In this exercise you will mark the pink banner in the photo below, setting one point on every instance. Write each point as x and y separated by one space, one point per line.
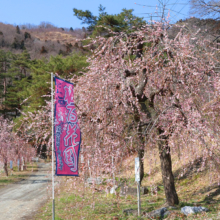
67 136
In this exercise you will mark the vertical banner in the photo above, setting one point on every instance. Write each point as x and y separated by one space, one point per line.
67 135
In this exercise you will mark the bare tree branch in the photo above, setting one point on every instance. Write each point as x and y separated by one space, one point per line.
206 8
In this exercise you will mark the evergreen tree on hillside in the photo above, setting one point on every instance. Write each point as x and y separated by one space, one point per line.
73 64
36 90
18 45
86 17
5 79
27 35
18 30
124 21
21 63
18 72
43 50
22 47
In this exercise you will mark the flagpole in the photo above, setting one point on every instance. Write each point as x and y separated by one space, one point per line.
53 206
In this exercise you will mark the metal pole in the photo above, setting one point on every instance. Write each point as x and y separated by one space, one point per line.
137 179
113 174
139 198
90 174
208 89
53 206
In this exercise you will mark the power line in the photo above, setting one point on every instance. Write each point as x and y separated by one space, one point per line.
161 8
178 12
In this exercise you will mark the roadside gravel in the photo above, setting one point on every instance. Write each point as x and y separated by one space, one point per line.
22 199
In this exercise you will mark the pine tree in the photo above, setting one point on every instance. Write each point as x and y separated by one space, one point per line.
19 66
18 30
124 21
34 87
43 50
5 79
22 47
15 44
27 35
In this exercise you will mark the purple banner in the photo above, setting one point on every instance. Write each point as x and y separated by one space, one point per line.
67 135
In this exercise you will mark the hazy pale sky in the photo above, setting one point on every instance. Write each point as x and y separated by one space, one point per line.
60 12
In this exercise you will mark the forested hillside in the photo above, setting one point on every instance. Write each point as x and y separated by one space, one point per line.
28 51
40 41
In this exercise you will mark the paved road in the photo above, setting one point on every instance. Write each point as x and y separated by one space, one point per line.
22 199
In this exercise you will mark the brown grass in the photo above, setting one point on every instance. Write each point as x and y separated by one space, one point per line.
55 36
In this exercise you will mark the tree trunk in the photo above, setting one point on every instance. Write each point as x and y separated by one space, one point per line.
141 152
19 165
25 167
6 168
141 155
166 169
4 90
4 97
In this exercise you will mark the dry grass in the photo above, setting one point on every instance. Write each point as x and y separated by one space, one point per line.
55 36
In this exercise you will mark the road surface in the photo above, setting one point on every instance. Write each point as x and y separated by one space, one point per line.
21 200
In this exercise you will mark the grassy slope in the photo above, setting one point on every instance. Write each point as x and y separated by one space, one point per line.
55 36
74 201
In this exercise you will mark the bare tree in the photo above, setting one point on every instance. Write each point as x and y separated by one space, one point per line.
206 8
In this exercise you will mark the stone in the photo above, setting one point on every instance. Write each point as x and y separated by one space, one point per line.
92 180
186 210
133 191
35 159
156 189
109 181
113 189
158 213
171 207
144 190
166 213
130 211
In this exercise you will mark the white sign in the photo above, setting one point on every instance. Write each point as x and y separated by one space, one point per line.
137 169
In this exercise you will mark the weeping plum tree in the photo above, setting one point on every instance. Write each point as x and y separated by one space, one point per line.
36 126
12 146
145 86
6 149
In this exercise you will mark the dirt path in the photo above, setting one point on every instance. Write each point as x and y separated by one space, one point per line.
20 200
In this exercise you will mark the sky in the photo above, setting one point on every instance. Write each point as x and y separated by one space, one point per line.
60 12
